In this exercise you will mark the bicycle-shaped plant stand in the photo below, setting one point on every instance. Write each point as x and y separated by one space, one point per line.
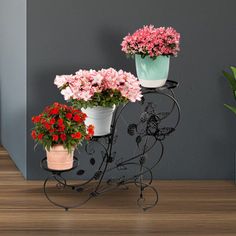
148 132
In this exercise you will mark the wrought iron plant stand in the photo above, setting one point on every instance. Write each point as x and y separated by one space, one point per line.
148 132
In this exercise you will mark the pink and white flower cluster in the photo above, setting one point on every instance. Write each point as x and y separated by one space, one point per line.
85 83
152 41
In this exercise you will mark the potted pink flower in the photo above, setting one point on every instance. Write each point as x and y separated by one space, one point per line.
60 128
152 48
98 92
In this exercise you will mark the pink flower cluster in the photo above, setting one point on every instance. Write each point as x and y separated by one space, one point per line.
85 83
152 41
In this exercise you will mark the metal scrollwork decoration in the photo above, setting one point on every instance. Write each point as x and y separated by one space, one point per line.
149 132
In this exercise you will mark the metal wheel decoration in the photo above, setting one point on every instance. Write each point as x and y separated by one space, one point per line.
149 132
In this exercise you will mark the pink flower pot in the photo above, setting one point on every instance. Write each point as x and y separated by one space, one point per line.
58 158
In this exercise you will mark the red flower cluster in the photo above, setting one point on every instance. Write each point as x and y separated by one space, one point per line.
61 124
90 131
77 135
34 134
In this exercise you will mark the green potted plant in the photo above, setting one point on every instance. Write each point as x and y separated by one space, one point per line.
231 77
60 129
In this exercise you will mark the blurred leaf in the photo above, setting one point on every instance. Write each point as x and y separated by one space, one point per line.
231 108
231 81
233 70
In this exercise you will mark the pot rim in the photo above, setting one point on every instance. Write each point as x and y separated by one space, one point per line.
60 147
99 108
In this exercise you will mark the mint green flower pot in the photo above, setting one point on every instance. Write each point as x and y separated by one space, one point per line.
152 73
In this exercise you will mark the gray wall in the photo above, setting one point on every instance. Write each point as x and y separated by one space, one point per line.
13 79
66 35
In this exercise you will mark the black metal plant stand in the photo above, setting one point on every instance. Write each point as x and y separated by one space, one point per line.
148 132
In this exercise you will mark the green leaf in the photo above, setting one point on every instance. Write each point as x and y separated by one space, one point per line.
232 81
231 108
101 99
233 70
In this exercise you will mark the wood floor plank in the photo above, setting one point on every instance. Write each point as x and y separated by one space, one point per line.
206 208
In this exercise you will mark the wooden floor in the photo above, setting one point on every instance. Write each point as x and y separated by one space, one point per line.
185 208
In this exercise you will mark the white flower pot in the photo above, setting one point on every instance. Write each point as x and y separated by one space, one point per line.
100 117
